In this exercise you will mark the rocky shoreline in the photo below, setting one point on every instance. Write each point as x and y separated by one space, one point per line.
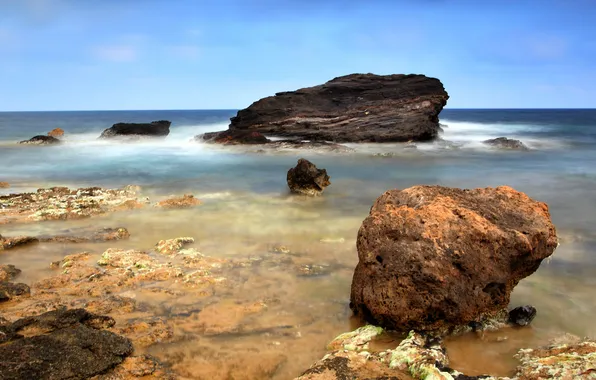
93 299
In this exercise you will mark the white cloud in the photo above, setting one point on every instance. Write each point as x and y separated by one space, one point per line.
116 53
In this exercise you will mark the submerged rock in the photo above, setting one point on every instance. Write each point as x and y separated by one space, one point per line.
185 201
56 132
306 179
433 257
234 137
154 129
505 143
61 344
41 140
103 234
522 316
351 108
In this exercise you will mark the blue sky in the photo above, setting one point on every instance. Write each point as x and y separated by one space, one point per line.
183 54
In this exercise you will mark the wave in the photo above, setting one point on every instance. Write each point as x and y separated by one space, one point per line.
472 135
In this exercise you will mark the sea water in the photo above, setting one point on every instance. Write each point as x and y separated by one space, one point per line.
247 208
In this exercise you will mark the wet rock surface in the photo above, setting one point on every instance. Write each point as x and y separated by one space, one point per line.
61 344
432 257
60 203
351 108
41 140
506 143
154 129
307 179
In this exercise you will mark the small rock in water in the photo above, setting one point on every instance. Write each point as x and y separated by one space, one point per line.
522 316
56 132
4 185
306 179
505 143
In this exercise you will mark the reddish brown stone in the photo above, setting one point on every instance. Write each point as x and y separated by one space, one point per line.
431 257
56 132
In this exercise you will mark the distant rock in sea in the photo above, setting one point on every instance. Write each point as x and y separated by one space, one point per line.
505 143
41 140
351 108
307 179
154 129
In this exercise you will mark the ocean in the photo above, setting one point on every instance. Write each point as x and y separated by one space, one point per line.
247 205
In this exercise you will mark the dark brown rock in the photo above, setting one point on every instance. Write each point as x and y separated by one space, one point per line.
41 140
505 143
9 290
154 129
306 179
522 316
431 257
352 108
61 344
234 137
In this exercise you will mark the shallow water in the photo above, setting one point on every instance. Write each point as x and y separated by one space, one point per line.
247 211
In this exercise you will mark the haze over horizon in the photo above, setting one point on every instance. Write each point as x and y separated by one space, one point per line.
132 55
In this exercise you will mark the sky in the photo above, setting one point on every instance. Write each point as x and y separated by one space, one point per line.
225 54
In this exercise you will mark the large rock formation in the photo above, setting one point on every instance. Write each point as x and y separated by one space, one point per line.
432 257
352 108
154 129
306 179
234 137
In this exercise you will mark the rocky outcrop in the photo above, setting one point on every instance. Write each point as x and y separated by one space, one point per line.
56 132
306 179
432 257
351 108
92 236
505 143
41 140
61 344
61 203
234 137
154 129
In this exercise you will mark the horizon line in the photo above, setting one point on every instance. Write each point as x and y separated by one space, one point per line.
237 109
